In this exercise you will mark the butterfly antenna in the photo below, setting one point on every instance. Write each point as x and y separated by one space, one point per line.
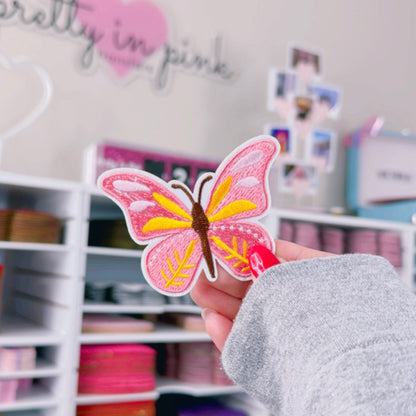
185 190
205 180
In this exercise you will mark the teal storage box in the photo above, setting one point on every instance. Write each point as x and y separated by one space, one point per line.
404 211
381 175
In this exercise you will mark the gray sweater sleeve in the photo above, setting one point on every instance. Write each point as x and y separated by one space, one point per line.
328 336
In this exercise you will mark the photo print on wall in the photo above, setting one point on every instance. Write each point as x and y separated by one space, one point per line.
303 103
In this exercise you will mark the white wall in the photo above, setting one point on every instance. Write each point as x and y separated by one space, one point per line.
368 47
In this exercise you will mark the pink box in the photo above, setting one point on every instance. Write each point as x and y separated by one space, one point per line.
8 390
9 358
24 385
116 369
1 288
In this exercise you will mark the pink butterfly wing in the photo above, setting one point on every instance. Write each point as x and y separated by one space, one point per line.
231 242
172 266
241 192
134 192
246 169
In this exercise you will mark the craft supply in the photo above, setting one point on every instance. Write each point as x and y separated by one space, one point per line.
1 292
286 231
20 358
127 293
145 408
390 247
116 369
333 240
171 360
136 294
187 232
97 291
34 227
307 235
362 241
187 321
8 390
108 323
195 362
5 218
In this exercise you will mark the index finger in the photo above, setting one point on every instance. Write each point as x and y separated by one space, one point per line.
225 294
287 251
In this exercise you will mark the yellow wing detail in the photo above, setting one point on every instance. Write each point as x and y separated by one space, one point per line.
162 223
241 257
219 195
171 206
233 208
181 265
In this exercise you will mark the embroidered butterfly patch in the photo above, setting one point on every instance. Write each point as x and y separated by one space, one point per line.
188 232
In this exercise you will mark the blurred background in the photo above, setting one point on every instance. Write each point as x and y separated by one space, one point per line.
166 102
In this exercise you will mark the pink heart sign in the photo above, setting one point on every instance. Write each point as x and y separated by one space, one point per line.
125 34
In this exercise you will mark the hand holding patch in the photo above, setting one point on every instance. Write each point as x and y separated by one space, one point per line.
186 232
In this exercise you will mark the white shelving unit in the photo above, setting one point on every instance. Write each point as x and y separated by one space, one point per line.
406 232
44 284
39 294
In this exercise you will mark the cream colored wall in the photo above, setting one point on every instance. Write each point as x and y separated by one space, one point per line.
368 49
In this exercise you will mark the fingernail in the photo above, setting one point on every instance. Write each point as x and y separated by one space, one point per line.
205 312
260 259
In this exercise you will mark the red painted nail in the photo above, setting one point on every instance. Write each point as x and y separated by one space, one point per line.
260 259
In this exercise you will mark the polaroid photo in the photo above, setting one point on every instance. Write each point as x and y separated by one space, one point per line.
303 108
281 87
321 149
327 102
285 136
306 62
299 178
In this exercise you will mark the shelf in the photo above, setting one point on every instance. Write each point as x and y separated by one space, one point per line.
17 332
344 221
107 307
116 398
117 252
15 180
37 398
182 309
43 369
164 386
173 386
162 333
16 245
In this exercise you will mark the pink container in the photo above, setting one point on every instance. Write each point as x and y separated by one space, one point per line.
8 390
117 369
9 359
1 284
